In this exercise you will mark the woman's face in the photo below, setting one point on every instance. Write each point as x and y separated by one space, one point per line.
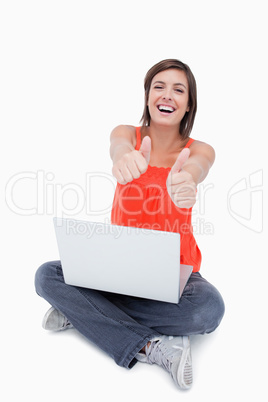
168 97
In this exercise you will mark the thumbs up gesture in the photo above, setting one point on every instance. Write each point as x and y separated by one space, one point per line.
180 184
132 164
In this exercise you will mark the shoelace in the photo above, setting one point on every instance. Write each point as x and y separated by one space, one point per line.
66 324
158 353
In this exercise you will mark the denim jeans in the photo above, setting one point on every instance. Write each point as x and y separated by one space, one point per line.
122 325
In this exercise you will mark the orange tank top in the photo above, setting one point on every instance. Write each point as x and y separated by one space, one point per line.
145 203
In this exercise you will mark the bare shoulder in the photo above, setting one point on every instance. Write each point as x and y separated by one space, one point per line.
203 149
126 132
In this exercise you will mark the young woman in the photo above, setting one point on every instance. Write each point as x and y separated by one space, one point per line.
158 168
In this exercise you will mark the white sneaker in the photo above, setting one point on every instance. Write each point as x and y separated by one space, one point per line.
54 320
174 355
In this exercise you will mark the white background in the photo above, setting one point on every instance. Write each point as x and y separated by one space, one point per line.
70 72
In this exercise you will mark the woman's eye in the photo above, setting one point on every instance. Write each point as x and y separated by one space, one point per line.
179 90
158 87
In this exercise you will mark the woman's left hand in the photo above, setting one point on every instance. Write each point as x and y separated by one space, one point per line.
180 184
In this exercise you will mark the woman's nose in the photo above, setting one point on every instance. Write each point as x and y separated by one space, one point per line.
167 95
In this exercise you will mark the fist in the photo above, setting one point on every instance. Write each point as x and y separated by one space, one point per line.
180 184
132 164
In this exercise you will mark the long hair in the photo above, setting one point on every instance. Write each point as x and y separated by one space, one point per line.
187 122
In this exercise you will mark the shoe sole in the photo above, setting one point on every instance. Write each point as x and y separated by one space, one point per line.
184 373
44 322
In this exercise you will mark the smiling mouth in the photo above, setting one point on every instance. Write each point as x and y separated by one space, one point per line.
165 109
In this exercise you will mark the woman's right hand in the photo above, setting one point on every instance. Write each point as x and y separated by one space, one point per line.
134 163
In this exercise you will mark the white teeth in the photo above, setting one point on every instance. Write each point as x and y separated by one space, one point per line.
166 108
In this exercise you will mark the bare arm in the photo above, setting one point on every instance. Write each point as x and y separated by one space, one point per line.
190 169
201 159
128 163
122 141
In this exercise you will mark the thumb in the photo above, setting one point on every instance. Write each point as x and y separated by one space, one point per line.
145 148
182 158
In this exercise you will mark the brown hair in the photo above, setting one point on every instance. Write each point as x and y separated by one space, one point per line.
187 122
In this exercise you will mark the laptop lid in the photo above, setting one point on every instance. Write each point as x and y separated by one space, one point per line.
120 259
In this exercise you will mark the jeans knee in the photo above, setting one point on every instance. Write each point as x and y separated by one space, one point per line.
215 309
44 277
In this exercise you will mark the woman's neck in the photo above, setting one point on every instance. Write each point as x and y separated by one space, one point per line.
165 139
166 145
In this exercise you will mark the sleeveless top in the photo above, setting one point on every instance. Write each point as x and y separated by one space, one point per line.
145 203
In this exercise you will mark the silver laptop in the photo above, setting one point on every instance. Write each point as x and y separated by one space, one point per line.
120 259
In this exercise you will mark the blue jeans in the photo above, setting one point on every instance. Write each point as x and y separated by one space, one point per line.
122 325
